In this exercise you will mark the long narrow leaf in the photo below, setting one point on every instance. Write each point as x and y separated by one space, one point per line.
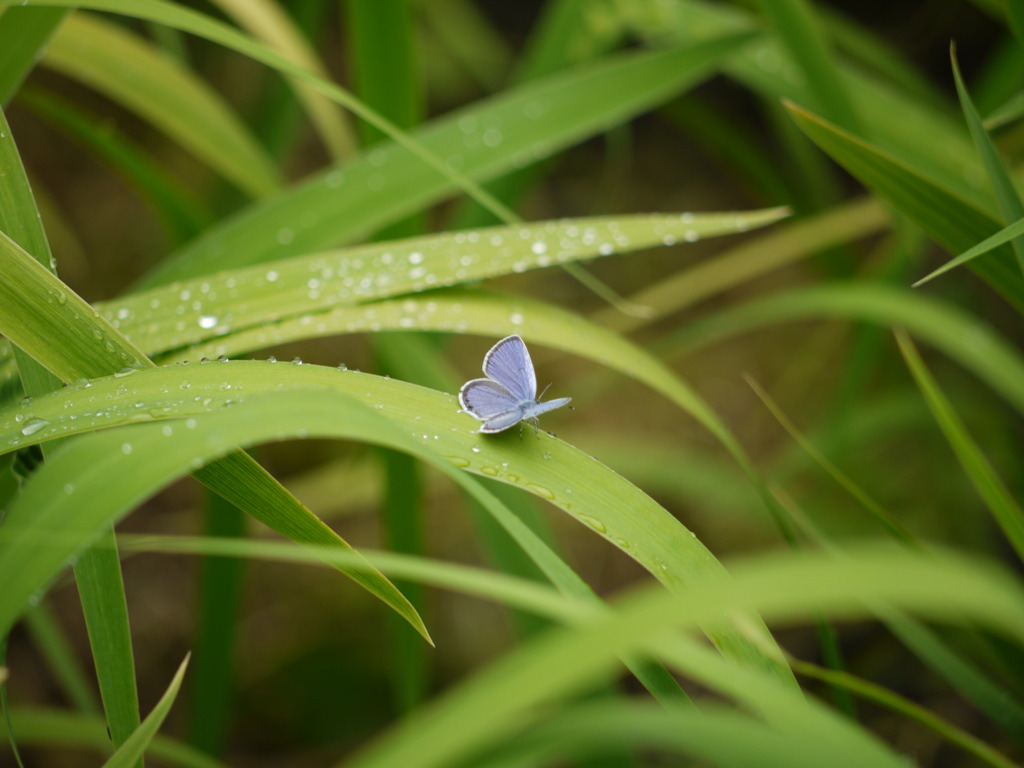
952 222
998 174
1005 510
132 750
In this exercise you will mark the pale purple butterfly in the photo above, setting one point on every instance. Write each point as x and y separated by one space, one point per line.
509 393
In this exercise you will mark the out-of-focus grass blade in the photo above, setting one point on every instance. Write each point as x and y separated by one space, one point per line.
797 240
953 223
466 34
129 70
296 400
894 527
53 727
998 175
221 590
891 119
989 694
891 700
798 585
803 38
267 21
1010 111
714 734
24 33
183 215
959 335
694 62
1010 234
484 140
133 749
1005 510
49 638
1015 11
382 60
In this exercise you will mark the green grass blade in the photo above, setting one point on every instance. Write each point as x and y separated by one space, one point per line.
24 33
52 727
429 161
713 735
380 37
887 521
798 239
233 302
131 71
889 116
132 750
184 216
389 182
998 174
1005 510
101 592
498 700
962 337
64 333
48 637
214 651
867 690
98 574
803 38
987 694
1003 236
953 223
296 400
267 20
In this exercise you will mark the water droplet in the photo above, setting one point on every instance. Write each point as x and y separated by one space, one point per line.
167 430
32 426
271 359
691 236
272 276
593 522
541 490
68 489
126 448
207 321
492 137
489 471
458 461
296 361
539 248
475 449
125 372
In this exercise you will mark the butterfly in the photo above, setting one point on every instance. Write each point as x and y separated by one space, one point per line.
509 393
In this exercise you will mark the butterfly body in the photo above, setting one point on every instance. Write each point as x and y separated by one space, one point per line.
508 395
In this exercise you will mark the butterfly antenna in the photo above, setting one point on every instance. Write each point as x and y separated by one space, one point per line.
545 390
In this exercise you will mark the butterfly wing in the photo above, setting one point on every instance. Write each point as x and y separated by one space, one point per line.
484 399
508 363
